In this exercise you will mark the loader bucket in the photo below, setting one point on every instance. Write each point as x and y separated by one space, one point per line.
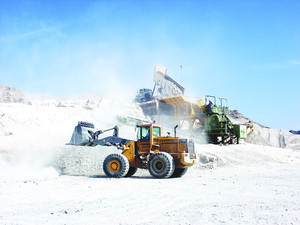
83 134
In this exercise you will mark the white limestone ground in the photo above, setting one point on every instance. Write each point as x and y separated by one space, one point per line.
44 181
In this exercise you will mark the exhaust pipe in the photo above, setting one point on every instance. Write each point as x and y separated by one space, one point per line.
175 130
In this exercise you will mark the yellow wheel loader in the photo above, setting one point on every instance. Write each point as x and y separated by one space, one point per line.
163 156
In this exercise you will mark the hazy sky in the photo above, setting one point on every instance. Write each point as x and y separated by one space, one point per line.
246 51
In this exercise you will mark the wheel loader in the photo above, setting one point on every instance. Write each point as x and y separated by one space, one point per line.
164 157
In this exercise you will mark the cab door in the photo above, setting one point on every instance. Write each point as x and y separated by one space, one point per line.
144 135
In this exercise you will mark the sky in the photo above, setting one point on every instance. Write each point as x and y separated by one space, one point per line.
246 51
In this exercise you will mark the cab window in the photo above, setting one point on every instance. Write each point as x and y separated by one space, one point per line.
143 134
156 131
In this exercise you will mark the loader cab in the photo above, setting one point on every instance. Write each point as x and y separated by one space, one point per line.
146 132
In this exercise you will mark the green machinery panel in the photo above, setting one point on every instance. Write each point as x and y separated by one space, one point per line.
240 131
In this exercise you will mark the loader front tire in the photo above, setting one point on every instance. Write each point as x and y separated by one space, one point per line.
131 171
161 165
116 165
179 172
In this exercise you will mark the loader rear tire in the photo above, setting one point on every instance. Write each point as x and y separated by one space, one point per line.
161 165
116 165
131 171
179 172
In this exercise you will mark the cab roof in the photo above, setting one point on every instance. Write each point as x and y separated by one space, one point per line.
148 125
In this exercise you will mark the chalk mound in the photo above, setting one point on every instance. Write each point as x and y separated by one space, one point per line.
266 136
9 94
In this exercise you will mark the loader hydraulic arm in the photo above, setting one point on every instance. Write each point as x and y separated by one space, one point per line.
98 132
112 141
85 135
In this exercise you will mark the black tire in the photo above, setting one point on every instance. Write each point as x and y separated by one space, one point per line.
161 165
233 140
179 172
116 165
131 171
213 139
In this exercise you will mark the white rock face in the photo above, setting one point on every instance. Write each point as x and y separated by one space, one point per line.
9 94
266 136
274 137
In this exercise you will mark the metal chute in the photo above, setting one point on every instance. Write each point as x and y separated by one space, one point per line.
168 87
